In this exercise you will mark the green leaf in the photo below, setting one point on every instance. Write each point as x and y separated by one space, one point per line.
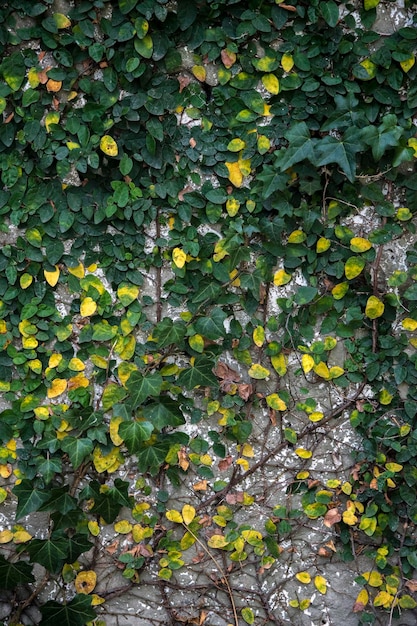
165 412
142 387
342 152
134 434
301 147
248 615
151 458
48 468
169 332
200 374
29 498
77 449
75 613
51 553
14 574
305 295
13 70
330 12
212 326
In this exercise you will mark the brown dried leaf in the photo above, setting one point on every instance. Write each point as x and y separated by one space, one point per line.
228 58
111 549
332 517
200 486
330 544
273 417
245 391
411 585
222 370
184 81
234 498
224 464
288 7
192 142
145 550
183 459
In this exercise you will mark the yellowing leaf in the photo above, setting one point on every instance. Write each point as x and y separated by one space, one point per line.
51 118
279 363
287 62
374 308
235 175
114 430
72 145
54 360
235 145
174 516
123 527
412 142
58 386
335 372
302 475
275 402
383 598
25 280
78 381
96 600
127 293
29 343
53 85
354 266
323 244
322 370
76 365
271 83
33 77
6 536
94 528
403 214
281 278
109 462
407 602
297 236
361 601
316 416
61 20
303 453
35 365
264 145
369 67
349 516
78 271
307 363
199 71
248 451
85 581
179 257
370 4
258 372
303 577
407 64
188 513
385 397
232 206
394 467
259 336
340 290
41 413
359 244
320 584
52 277
109 146
217 541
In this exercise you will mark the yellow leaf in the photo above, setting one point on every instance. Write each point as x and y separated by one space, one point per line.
236 145
109 462
383 598
174 516
294 603
347 488
394 467
58 386
335 372
6 536
303 475
94 528
85 581
303 577
35 365
407 602
253 537
340 290
275 402
307 363
279 363
123 527
303 453
217 541
323 244
61 20
72 145
369 67
359 244
124 371
25 280
248 451
374 308
385 397
320 584
199 71
235 175
354 266
322 370
316 416
140 533
297 236
403 214
188 513
52 277
287 62
29 343
407 64
21 536
96 600
78 381
271 83
179 257
54 360
281 278
258 372
412 142
245 166
33 77
109 146
259 336
264 145
76 365
349 516
114 430
41 413
232 206
78 271
51 118
127 293
361 601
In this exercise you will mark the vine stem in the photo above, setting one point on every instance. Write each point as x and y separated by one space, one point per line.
221 570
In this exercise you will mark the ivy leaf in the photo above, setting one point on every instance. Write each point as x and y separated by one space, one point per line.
199 374
342 152
300 147
75 613
212 326
165 412
169 332
142 387
151 457
13 574
135 434
76 545
29 498
330 12
51 553
77 449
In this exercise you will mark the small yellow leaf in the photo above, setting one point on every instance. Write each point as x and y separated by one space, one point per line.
361 601
264 145
6 536
316 416
294 604
174 516
76 365
232 206
403 214
25 280
114 430
407 64
248 451
127 293
303 453
78 271
236 145
52 277
374 308
35 365
217 541
51 118
259 336
196 343
258 372
72 145
287 62
385 397
412 142
323 244
109 462
349 516
94 528
335 372
54 86
369 67
85 581
188 513
33 77
322 370
354 266
320 584
359 244
58 386
302 475
275 402
235 175
297 236
303 577
394 467
279 363
281 278
123 527
109 146
271 83
347 488
54 360
340 290
307 363
61 20
199 71
21 536
374 579
179 257
96 600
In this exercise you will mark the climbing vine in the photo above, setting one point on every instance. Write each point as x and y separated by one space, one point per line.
208 266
